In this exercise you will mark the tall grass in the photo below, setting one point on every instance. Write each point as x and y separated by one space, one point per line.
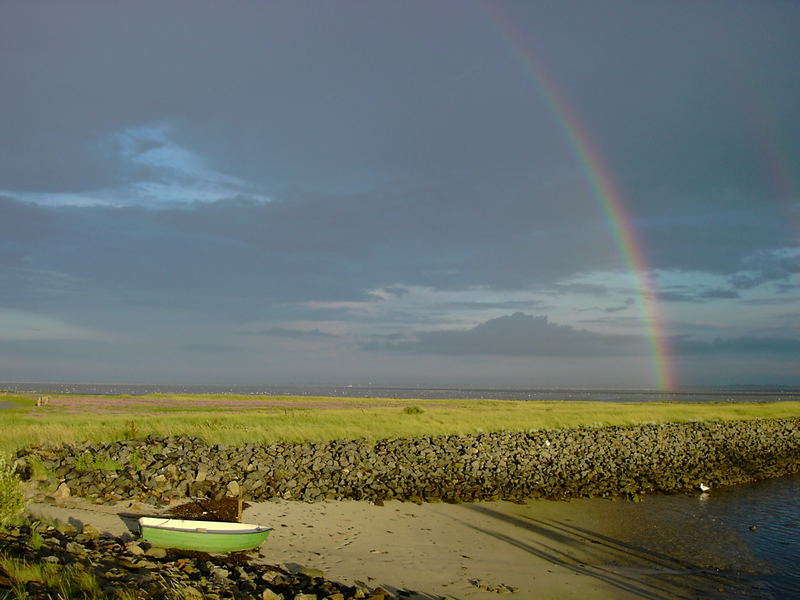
71 582
12 500
353 419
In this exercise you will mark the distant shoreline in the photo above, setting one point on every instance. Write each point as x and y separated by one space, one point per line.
767 393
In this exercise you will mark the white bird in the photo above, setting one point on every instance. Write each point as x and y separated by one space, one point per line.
704 488
547 443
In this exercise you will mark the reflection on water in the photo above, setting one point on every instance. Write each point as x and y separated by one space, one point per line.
739 542
766 517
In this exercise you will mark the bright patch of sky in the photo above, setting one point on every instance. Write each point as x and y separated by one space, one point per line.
155 172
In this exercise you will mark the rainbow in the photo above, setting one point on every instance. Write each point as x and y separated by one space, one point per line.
604 189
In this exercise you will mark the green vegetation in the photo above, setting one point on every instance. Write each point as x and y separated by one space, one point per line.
228 419
72 582
38 471
12 501
36 540
135 460
90 462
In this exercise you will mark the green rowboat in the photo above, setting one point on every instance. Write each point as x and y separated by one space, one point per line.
203 536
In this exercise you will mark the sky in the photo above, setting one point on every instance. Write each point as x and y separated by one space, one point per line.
498 193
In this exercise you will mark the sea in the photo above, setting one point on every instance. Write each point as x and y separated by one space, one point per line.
705 394
746 539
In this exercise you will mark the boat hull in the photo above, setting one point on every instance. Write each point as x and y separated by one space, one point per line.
202 536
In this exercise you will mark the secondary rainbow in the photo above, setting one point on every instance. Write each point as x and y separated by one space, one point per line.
603 187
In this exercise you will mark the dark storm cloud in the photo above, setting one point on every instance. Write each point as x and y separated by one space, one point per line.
380 100
261 158
516 335
525 335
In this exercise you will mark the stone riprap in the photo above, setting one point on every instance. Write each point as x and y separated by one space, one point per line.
120 565
566 463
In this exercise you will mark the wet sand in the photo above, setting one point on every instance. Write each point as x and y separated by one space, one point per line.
543 549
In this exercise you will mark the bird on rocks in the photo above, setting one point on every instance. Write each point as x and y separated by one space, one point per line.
704 488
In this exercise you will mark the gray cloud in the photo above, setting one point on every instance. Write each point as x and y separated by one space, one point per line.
746 345
697 296
410 153
525 335
297 334
507 305
210 348
614 309
517 335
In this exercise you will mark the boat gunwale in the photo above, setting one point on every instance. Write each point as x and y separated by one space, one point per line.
182 526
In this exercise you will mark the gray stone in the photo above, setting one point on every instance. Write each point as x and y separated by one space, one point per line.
134 548
233 489
75 548
156 552
220 575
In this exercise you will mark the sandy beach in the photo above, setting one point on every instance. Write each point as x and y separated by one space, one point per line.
541 549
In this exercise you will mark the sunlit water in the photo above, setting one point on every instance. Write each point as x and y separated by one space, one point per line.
744 539
738 542
765 518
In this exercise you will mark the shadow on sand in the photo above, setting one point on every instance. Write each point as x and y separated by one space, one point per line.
639 571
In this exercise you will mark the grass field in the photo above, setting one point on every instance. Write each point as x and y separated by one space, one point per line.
233 420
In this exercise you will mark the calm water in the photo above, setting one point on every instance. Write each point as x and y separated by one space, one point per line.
726 394
743 540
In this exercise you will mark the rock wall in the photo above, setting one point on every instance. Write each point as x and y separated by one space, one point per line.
608 461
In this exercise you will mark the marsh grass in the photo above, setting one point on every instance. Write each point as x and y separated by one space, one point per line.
20 571
65 583
12 500
36 540
316 419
